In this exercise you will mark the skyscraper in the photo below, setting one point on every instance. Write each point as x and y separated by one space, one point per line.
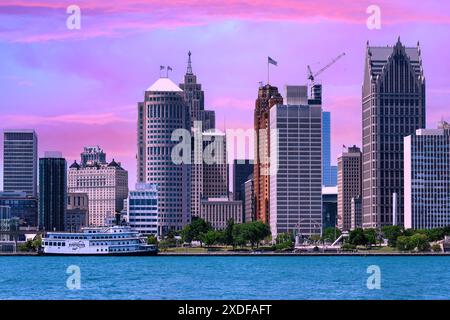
393 106
242 169
349 184
329 172
201 121
268 96
427 178
20 152
52 192
163 111
215 166
296 184
106 185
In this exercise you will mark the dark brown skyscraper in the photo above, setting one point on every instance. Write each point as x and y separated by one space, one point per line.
268 96
393 106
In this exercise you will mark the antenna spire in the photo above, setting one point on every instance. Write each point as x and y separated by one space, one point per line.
189 67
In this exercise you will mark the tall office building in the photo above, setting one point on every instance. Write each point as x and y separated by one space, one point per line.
268 96
393 106
52 191
142 209
215 165
349 184
201 121
20 152
106 185
329 172
427 178
296 185
161 113
242 169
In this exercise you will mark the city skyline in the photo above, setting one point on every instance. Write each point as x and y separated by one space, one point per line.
97 106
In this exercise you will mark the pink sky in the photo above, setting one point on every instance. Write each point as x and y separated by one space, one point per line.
80 87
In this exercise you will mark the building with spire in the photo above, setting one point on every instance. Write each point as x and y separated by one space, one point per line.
393 106
163 111
268 96
207 179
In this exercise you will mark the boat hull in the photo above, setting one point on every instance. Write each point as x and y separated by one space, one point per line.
125 254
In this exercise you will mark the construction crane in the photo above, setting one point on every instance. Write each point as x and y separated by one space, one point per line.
312 76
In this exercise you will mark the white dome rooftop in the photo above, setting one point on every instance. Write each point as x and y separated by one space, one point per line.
164 85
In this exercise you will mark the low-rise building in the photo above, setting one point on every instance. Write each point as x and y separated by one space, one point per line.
77 213
142 209
218 211
22 206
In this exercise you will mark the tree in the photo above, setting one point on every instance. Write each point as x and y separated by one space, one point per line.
238 235
36 243
331 234
262 231
284 241
404 243
284 237
420 242
212 237
436 247
151 239
228 233
391 233
371 236
357 237
195 230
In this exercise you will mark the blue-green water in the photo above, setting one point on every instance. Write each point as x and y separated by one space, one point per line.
225 277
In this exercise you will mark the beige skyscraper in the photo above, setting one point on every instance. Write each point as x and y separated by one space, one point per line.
106 185
349 184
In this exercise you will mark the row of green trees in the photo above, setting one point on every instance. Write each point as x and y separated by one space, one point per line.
234 234
397 237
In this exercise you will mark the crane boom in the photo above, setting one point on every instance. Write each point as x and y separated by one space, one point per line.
312 75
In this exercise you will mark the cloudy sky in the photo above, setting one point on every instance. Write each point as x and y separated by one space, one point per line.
81 87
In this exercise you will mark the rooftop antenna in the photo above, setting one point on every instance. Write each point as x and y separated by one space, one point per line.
189 67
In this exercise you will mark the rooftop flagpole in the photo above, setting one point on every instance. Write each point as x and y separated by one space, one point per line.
270 61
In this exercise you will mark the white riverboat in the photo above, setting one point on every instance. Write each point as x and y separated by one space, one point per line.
112 241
